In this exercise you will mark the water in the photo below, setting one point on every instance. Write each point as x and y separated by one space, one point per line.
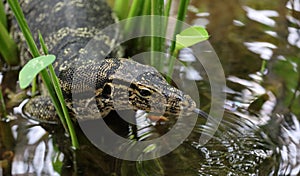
259 133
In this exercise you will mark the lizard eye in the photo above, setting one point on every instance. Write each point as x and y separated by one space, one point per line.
106 90
145 92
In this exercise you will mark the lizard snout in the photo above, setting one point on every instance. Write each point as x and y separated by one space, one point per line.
187 104
180 103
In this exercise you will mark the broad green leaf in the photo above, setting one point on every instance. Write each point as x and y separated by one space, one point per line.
32 68
191 36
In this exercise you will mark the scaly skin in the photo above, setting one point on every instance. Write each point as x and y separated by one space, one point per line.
93 86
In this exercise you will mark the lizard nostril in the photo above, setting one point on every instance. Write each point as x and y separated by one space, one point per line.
185 104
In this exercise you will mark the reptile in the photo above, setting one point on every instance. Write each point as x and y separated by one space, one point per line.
96 83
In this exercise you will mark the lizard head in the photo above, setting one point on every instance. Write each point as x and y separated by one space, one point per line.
141 87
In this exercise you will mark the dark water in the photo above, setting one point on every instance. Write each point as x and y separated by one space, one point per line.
259 132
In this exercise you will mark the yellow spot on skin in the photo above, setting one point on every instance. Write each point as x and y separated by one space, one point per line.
58 6
82 51
67 51
41 17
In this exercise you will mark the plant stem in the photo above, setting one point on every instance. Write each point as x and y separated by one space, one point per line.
146 7
171 66
33 87
8 48
2 105
15 7
121 8
180 18
168 7
263 67
46 79
167 14
135 8
3 19
134 11
144 23
64 107
143 42
156 32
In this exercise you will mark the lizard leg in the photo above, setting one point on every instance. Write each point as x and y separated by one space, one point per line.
41 108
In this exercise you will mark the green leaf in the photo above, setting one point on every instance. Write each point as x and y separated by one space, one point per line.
191 36
32 68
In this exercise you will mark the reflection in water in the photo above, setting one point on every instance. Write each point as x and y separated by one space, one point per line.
264 49
290 144
34 153
294 38
244 33
262 16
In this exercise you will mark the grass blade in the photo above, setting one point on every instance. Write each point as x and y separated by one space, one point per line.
8 48
157 43
2 105
168 7
135 10
180 17
121 8
15 7
3 19
173 54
